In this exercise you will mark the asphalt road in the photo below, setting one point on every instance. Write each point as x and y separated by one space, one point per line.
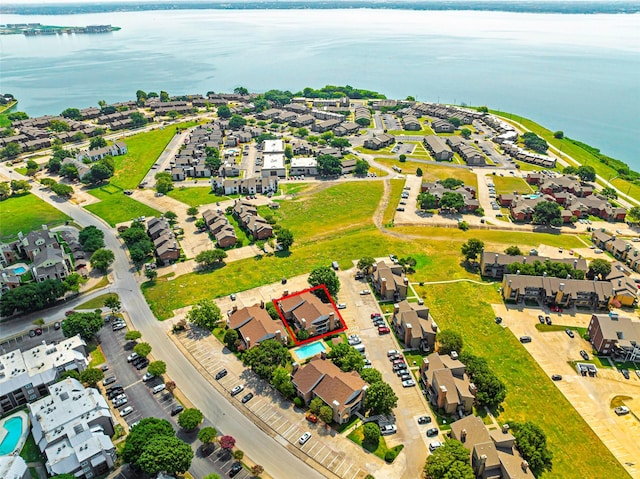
262 448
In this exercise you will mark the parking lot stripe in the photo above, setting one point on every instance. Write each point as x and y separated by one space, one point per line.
344 474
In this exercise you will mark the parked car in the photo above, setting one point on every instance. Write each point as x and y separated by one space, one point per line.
569 333
222 373
391 352
408 383
137 361
375 315
304 438
353 340
235 469
621 410
556 377
177 409
383 330
433 445
432 432
147 376
584 355
525 339
405 377
625 373
311 418
402 372
388 429
424 420
119 396
237 390
118 326
115 393
365 292
397 367
247 397
541 319
118 403
132 357
126 411
547 320
56 325
109 380
342 306
142 364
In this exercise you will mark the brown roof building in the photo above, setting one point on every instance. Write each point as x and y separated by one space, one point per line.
447 384
254 325
414 325
306 311
389 282
615 335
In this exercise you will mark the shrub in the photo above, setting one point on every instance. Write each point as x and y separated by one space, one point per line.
390 456
298 401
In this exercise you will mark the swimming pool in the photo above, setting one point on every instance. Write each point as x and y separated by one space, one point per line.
10 441
311 349
20 270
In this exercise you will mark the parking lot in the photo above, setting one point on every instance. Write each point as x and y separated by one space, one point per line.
24 341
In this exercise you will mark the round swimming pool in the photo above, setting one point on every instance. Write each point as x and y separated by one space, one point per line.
13 427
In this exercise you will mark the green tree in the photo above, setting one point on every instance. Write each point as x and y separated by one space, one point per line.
328 165
31 296
144 431
141 97
365 264
450 461
5 190
238 455
340 143
192 210
63 191
59 125
483 109
402 158
531 442
586 173
452 201
371 434
472 249
534 142
151 274
315 405
210 257
240 90
86 325
427 201
236 122
288 152
157 368
138 120
547 212
72 373
281 381
609 192
264 358
380 398
142 349
113 303
448 341
132 335
72 113
513 251
212 476
455 121
205 314
599 268
327 276
68 171
207 436
73 281
170 215
91 238
371 375
302 132
558 135
284 237
190 418
326 414
451 183
362 167
408 264
101 259
164 96
419 172
20 186
466 133
97 142
165 454
231 339
490 390
91 376
164 183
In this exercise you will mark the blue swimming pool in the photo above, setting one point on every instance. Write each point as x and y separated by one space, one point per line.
311 349
20 270
14 431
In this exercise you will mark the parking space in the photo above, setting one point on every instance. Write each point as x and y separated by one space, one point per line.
25 340
391 122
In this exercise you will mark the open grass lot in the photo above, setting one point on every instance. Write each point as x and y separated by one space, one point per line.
531 395
345 206
196 196
581 155
97 302
408 167
441 171
394 198
293 188
25 213
144 149
357 436
117 207
509 184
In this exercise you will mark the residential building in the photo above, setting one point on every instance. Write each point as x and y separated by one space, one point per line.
72 427
442 126
389 282
468 194
273 165
447 384
303 166
494 265
410 122
305 311
248 218
24 376
343 392
379 141
220 228
13 467
492 453
50 263
165 245
469 153
347 128
438 148
348 165
254 325
520 154
414 326
617 336
34 242
116 149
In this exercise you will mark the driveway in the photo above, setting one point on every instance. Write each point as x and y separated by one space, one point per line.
591 397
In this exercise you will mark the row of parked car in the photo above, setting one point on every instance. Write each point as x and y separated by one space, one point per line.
399 366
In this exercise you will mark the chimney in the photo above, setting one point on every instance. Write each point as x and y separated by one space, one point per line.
524 260
544 274
505 428
442 396
575 264
509 284
262 304
303 323
279 335
495 258
463 435
294 367
518 272
247 341
396 308
235 308
285 293
407 333
525 466
482 465
561 287
472 389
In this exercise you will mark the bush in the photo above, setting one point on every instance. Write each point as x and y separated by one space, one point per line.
390 456
298 401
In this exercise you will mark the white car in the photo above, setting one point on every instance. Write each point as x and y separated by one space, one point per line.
408 383
392 352
126 411
433 445
388 429
354 339
147 376
304 438
365 292
237 390
342 306
621 410
132 356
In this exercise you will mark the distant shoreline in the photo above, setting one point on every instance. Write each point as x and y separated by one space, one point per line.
513 6
37 29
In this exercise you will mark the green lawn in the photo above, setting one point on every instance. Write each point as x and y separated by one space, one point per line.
394 198
30 451
509 184
117 207
97 357
26 213
531 395
196 196
381 449
97 302
144 149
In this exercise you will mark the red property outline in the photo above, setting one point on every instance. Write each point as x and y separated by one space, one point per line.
319 336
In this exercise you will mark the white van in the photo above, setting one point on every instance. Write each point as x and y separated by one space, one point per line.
158 388
359 348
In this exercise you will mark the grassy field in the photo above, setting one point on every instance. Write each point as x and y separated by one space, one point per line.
394 198
144 149
576 152
357 436
97 357
531 395
117 207
196 196
346 206
509 184
25 213
97 302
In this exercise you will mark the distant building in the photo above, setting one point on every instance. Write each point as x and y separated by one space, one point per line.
306 311
303 166
389 282
617 336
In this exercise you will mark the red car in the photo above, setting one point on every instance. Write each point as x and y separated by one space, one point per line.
556 309
375 315
312 418
383 330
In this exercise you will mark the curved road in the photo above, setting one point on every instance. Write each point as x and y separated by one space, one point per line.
262 448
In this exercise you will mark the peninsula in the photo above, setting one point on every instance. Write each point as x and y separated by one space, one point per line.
33 29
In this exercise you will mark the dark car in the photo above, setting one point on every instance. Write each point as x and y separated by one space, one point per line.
547 320
569 333
541 319
432 432
235 469
56 325
38 331
556 377
32 333
177 409
137 360
525 339
424 420
247 397
221 374
625 373
498 320
584 355
142 364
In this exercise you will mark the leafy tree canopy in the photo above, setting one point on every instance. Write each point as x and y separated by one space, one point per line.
327 276
380 398
450 461
472 249
165 454
448 341
86 325
531 441
205 314
190 418
264 358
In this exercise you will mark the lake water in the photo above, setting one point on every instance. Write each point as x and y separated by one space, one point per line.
577 73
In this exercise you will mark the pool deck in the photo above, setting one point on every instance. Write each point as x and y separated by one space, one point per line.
23 435
13 267
294 352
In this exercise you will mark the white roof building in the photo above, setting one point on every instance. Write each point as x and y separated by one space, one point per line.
273 165
273 146
13 467
72 427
